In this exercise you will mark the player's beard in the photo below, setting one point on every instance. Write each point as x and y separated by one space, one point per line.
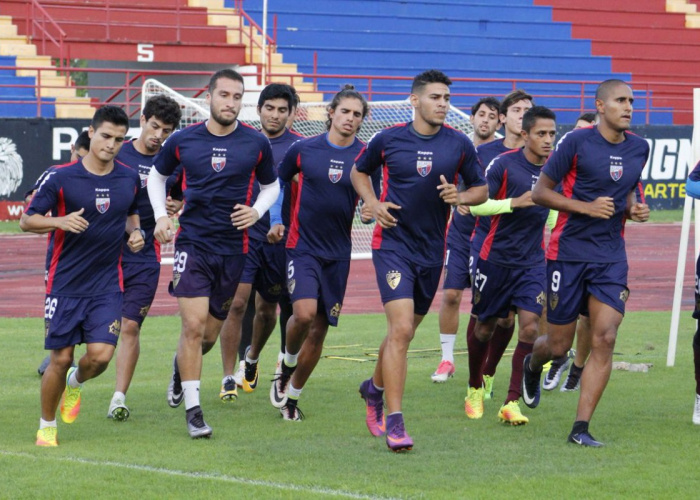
274 131
224 122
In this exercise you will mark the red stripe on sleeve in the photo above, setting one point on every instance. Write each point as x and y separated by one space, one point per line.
495 220
59 238
567 185
377 236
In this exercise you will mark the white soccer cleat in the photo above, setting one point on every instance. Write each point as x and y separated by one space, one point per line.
696 411
238 376
445 370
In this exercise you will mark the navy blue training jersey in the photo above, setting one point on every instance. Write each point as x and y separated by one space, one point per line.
279 145
87 263
515 239
412 166
219 173
588 166
323 206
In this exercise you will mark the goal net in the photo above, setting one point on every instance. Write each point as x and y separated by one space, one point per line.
310 120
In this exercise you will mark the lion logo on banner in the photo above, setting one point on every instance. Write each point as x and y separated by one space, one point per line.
11 171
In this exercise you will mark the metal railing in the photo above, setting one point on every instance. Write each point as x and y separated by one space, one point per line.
39 24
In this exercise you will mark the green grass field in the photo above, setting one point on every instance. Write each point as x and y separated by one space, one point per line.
644 418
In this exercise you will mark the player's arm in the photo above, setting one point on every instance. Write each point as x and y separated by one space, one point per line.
276 232
552 217
544 194
692 185
136 234
244 216
165 229
636 210
362 183
41 224
470 170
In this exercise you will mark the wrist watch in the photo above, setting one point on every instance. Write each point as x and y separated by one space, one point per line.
143 233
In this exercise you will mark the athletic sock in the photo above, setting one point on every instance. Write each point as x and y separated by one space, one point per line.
497 346
43 424
522 349
290 359
73 379
379 390
293 392
191 390
250 361
119 395
447 344
696 359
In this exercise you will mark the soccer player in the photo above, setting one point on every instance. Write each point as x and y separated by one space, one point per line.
264 268
693 189
221 159
161 116
319 243
92 202
510 272
513 108
583 345
599 169
417 159
485 120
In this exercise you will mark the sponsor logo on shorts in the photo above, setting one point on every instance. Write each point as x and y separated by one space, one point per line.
553 300
47 323
477 296
624 295
291 284
115 328
275 289
616 168
144 311
102 199
393 278
218 161
541 299
227 304
176 279
335 310
424 164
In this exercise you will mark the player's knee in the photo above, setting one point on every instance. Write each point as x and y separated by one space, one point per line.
238 306
402 331
129 329
268 315
484 331
604 339
528 333
100 359
62 360
508 322
303 317
451 297
558 347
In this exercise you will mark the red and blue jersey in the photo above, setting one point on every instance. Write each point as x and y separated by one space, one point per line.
411 165
516 239
588 167
88 263
219 173
324 201
279 145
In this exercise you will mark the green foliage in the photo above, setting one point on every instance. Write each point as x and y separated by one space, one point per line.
644 419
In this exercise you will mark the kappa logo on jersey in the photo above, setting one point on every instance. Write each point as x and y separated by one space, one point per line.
424 163
218 162
102 199
616 168
393 278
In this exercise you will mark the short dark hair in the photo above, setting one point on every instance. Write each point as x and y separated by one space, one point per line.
83 141
276 91
587 117
534 113
111 114
490 102
297 99
348 90
604 88
512 98
164 108
224 73
430 76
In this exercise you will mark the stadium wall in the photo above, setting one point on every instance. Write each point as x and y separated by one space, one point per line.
29 146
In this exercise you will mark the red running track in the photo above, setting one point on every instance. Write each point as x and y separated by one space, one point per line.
652 250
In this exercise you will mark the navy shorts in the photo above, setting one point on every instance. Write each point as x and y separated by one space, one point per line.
497 289
76 320
311 277
457 264
400 278
570 283
140 285
197 273
264 269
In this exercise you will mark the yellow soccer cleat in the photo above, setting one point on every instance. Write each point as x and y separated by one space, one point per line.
229 390
70 405
510 414
474 403
47 437
488 386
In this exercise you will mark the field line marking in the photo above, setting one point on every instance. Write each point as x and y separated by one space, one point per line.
193 475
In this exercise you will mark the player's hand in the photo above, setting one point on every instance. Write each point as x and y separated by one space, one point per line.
522 201
173 206
275 234
135 242
244 216
73 222
448 192
380 212
639 212
365 213
165 230
602 207
463 210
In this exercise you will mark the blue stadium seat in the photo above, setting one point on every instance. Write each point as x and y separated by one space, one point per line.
16 101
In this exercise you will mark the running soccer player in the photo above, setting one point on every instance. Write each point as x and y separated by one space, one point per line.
599 169
264 268
92 202
141 271
417 159
485 120
693 189
319 243
510 272
221 159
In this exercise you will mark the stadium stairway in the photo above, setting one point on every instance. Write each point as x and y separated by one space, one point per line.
18 87
663 58
513 39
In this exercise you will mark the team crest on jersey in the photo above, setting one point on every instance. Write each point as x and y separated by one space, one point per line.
424 164
115 327
334 174
553 300
335 310
393 278
291 284
616 168
624 295
102 200
541 299
144 179
218 162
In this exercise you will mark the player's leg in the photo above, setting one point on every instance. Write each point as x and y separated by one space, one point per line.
477 346
53 383
126 359
246 340
449 324
696 344
286 312
263 325
583 349
230 339
502 335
